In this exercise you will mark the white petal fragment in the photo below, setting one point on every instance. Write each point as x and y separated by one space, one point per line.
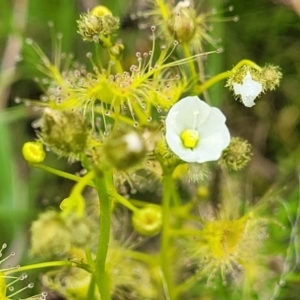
249 90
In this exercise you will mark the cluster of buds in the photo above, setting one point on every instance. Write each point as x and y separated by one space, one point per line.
54 235
98 25
66 133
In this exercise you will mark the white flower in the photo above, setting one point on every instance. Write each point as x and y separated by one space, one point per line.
249 90
195 131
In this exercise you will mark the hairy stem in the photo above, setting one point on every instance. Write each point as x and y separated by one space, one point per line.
165 237
102 185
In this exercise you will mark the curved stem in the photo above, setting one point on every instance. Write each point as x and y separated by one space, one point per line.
102 185
247 62
207 84
61 173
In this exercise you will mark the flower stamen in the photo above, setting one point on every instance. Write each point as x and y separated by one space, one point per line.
190 138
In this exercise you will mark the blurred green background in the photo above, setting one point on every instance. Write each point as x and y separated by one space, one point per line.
267 32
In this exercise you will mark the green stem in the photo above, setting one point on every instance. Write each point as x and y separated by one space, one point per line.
191 64
165 237
102 185
83 182
61 174
144 257
50 264
207 84
123 201
117 65
247 62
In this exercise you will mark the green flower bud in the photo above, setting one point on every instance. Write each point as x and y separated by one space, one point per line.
53 234
65 132
49 235
148 220
98 25
182 24
124 149
236 155
33 152
271 77
81 230
166 157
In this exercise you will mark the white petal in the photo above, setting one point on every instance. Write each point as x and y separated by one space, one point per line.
182 115
249 90
212 124
211 147
193 113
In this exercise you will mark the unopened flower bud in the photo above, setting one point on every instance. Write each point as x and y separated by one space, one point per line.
182 24
65 132
98 25
203 192
271 77
33 152
236 155
148 220
117 50
124 149
81 230
49 235
100 11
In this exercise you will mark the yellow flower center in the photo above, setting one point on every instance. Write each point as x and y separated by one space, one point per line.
190 138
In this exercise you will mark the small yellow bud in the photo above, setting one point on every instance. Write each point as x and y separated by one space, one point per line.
202 192
33 152
148 220
236 155
180 171
117 50
100 11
